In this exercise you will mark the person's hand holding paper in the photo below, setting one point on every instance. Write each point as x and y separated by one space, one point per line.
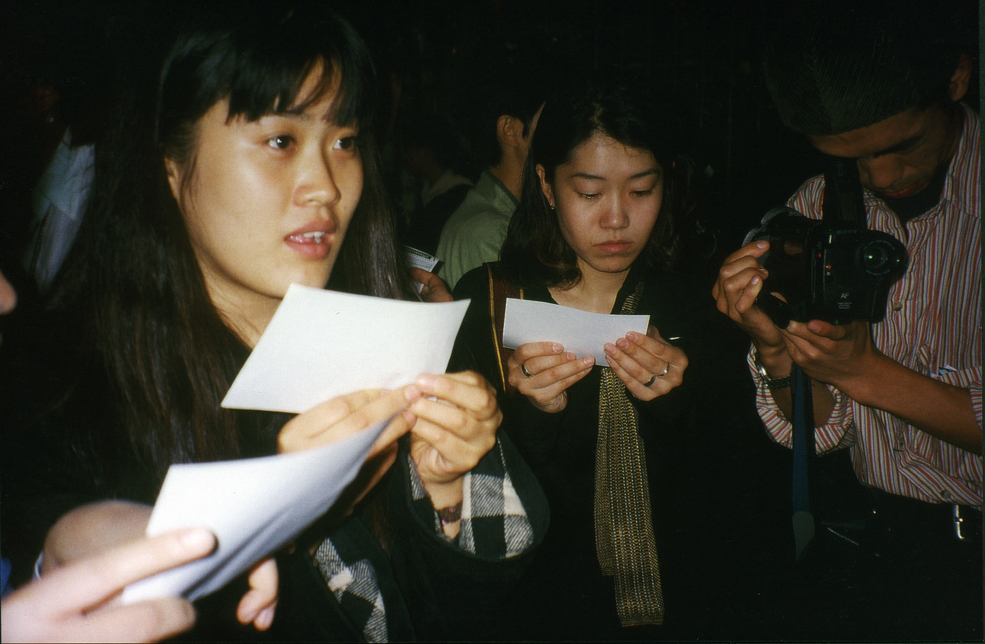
350 366
556 346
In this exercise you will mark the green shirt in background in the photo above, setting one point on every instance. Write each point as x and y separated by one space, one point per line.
475 232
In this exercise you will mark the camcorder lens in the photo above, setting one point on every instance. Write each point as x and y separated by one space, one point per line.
876 258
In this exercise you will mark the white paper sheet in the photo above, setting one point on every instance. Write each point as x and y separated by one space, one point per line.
580 332
319 345
253 506
322 344
419 259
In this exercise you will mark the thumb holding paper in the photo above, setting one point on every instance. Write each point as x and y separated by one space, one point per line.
347 415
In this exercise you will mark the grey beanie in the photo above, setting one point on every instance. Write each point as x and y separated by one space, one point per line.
839 66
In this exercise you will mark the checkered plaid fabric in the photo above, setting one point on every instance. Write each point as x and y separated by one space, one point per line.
494 524
355 588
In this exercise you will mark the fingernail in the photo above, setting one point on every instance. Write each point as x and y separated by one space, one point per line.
250 615
569 356
755 279
265 618
633 335
426 380
762 244
198 539
557 348
412 393
588 360
622 343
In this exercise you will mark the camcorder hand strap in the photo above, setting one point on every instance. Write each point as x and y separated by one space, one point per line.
804 456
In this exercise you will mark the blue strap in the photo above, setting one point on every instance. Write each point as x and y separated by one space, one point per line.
803 453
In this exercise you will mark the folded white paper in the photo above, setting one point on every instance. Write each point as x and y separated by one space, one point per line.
319 345
417 258
322 344
253 506
580 332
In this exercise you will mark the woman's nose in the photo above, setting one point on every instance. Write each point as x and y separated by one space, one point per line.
615 215
317 183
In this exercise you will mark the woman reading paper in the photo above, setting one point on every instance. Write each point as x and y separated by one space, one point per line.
240 162
606 225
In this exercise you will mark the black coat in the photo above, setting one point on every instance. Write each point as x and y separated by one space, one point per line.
57 457
707 462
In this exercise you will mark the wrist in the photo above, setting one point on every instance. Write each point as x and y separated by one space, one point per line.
445 495
554 406
450 514
776 374
866 383
447 503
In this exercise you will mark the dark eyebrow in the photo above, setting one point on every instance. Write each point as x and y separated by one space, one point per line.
902 146
645 173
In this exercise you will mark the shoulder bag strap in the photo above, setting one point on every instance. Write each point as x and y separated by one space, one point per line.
499 290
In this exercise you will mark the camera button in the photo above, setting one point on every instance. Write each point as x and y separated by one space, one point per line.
897 306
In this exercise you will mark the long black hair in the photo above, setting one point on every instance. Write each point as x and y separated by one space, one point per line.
535 251
133 278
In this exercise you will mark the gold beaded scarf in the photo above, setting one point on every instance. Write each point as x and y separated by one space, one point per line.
624 539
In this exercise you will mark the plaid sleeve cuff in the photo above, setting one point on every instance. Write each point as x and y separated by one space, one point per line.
494 522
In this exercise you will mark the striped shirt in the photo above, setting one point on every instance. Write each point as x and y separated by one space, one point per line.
932 326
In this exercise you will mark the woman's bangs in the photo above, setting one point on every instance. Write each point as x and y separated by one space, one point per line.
278 86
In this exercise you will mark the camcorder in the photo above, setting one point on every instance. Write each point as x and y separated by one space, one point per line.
833 269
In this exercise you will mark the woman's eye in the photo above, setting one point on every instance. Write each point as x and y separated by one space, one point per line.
589 195
347 143
643 193
281 142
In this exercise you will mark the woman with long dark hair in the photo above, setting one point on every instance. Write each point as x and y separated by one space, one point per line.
242 163
608 223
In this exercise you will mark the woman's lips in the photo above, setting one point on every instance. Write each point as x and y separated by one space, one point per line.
615 246
313 241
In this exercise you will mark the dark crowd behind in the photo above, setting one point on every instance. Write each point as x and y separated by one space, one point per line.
57 57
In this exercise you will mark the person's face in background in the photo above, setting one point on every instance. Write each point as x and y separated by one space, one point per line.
267 202
8 297
607 200
898 156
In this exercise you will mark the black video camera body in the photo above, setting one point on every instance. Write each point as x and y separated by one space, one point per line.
833 269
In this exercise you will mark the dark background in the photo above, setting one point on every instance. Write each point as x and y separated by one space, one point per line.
704 53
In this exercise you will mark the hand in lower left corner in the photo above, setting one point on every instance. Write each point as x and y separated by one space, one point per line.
258 605
77 601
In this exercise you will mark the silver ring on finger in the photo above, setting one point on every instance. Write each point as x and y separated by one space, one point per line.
664 372
653 378
523 368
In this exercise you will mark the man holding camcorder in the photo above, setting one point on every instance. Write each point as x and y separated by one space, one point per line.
900 387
